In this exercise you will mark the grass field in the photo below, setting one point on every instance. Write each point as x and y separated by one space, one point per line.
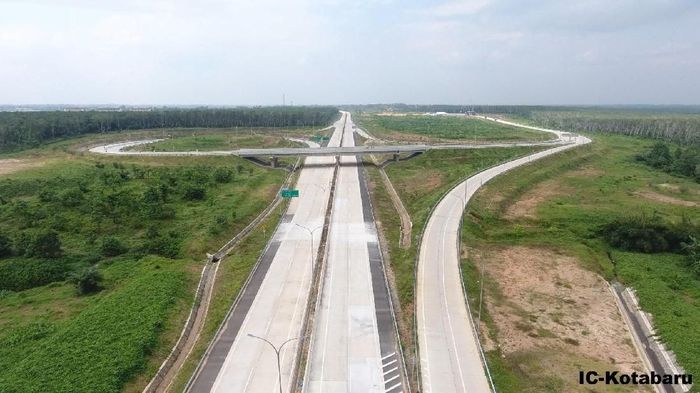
556 205
165 213
444 128
225 141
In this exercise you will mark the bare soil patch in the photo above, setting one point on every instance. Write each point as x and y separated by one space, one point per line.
545 302
12 165
587 171
526 206
656 197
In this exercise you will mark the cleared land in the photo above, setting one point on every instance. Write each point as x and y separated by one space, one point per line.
144 224
535 232
424 128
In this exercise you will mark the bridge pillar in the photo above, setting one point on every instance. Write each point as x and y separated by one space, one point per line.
273 162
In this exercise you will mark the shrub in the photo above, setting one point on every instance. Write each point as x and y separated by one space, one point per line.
692 248
44 244
87 280
164 245
223 175
195 192
5 246
20 275
648 235
72 197
111 247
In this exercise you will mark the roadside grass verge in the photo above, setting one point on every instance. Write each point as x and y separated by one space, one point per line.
673 298
416 127
420 182
232 272
558 203
220 141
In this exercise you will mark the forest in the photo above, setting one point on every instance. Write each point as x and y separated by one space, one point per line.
19 130
674 123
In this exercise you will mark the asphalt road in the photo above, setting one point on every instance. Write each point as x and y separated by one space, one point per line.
275 302
449 352
353 345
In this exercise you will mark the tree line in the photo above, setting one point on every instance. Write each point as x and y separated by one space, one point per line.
676 123
20 130
684 161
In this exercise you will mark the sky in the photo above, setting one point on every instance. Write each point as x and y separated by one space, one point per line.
216 52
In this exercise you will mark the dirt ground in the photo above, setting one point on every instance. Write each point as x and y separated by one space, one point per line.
526 206
545 304
12 165
655 196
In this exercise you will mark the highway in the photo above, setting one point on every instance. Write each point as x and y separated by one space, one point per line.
449 351
274 303
353 343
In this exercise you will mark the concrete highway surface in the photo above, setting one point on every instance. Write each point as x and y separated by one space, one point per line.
274 304
449 350
354 345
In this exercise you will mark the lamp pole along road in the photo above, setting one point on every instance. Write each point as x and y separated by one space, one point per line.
311 234
277 352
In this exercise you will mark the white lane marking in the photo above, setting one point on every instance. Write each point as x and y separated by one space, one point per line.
394 387
388 356
391 379
391 371
389 363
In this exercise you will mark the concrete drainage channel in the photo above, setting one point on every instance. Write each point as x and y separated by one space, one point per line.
653 353
166 373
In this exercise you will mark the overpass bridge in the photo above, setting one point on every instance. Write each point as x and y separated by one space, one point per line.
274 153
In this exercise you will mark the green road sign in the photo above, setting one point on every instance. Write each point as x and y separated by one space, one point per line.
319 138
290 193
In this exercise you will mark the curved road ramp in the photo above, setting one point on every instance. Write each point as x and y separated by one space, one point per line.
450 355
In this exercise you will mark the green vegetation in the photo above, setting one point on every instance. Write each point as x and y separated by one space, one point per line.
226 140
684 161
19 130
648 234
105 344
99 258
577 193
671 295
423 127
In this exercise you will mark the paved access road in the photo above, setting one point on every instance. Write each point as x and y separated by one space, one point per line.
353 347
450 358
275 302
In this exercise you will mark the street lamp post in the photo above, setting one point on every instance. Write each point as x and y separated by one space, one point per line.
277 352
311 234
